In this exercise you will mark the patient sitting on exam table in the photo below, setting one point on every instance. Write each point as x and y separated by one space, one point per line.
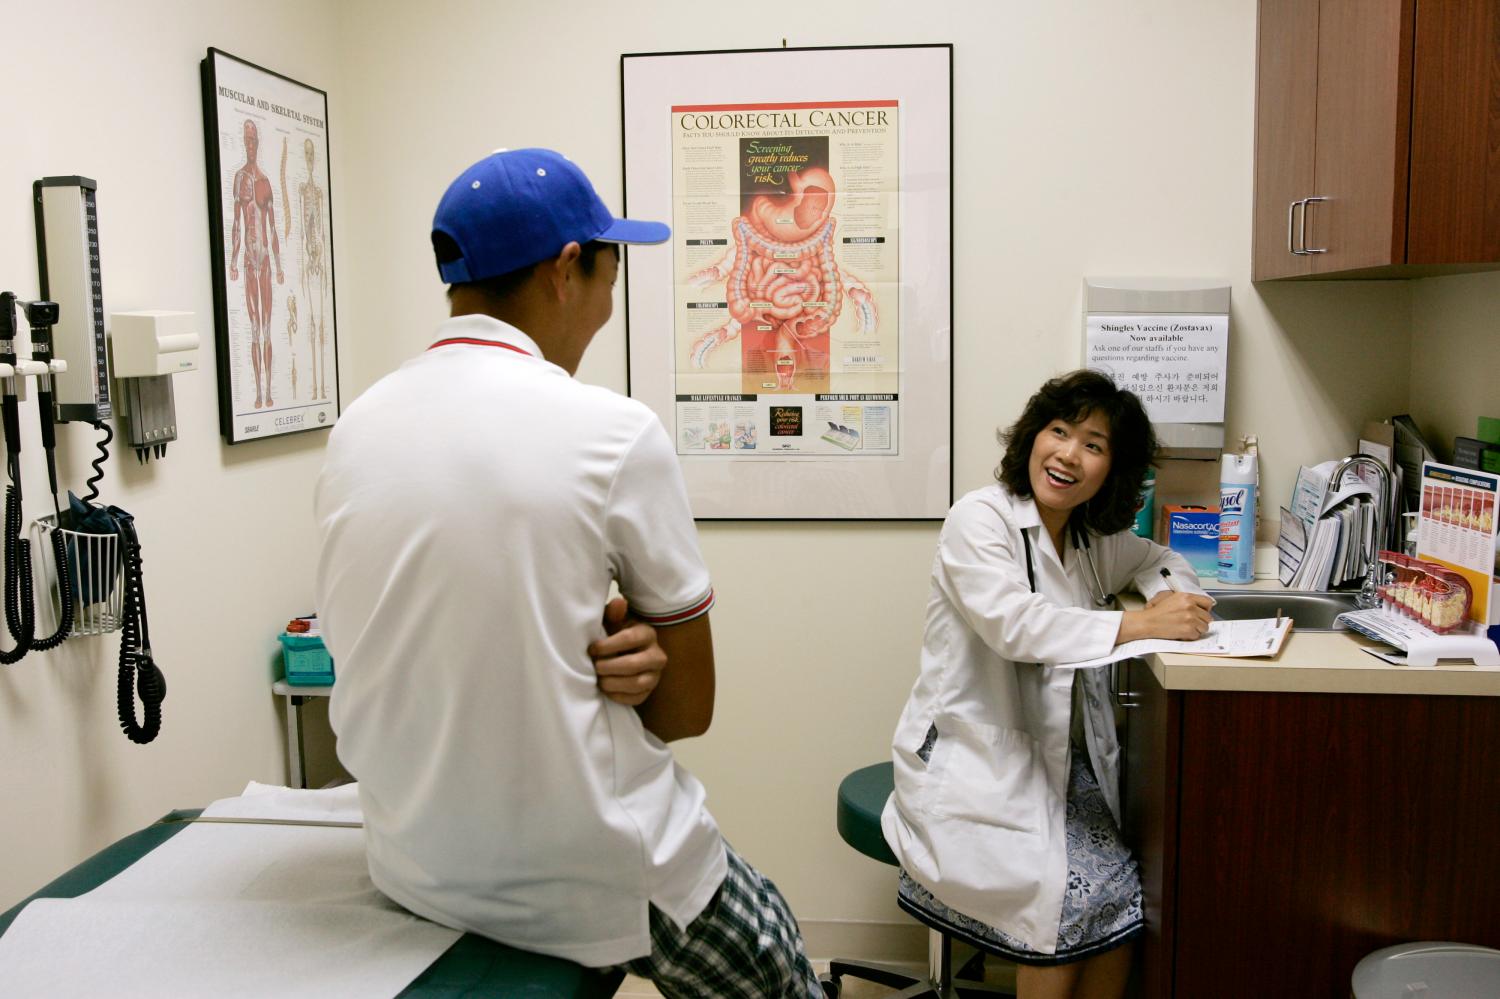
507 726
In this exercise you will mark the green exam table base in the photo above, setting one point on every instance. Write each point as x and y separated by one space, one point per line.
474 966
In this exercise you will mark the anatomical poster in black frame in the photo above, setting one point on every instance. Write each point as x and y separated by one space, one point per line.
795 338
271 243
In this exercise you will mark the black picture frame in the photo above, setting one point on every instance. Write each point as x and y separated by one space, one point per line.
278 256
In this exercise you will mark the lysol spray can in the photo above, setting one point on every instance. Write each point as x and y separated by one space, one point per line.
1237 519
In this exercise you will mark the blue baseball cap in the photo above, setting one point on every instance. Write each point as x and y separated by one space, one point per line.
518 206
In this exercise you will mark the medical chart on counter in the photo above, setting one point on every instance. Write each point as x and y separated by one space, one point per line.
1176 364
1231 639
785 222
1457 527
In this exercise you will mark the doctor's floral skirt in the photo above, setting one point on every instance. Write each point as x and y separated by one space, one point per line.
1102 905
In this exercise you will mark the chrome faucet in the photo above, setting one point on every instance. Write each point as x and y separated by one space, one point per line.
1368 595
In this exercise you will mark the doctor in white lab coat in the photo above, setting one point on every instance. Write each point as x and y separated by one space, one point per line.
1006 809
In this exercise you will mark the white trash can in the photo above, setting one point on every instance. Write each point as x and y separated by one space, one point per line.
1428 970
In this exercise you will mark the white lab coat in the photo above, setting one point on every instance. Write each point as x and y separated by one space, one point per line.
981 824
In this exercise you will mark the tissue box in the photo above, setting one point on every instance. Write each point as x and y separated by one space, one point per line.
1193 532
307 661
153 342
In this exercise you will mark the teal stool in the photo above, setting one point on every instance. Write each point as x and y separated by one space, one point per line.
862 797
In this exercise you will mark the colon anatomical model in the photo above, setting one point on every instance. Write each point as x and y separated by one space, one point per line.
783 282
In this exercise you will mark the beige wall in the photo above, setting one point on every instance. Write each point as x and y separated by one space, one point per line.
1455 356
1090 139
111 91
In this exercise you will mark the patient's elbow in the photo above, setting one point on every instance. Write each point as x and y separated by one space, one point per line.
694 723
687 722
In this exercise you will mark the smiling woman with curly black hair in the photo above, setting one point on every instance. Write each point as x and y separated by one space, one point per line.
1006 812
1071 399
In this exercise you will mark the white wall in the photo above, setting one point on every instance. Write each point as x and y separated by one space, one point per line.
111 91
1090 139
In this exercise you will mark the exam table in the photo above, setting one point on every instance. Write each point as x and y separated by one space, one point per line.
473 966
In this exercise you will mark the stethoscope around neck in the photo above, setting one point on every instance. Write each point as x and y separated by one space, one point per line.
1083 544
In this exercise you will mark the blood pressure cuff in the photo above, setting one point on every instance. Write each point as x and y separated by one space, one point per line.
93 582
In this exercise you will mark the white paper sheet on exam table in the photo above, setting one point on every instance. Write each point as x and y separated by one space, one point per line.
231 910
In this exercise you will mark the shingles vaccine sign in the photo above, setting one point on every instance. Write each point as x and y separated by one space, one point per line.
1176 364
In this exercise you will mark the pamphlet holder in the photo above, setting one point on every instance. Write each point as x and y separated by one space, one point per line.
1427 651
1418 645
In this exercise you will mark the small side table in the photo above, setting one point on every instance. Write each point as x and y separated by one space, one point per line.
296 764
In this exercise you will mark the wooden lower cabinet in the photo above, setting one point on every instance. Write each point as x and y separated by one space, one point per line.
1282 837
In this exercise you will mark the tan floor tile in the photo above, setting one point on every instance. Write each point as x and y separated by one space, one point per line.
634 987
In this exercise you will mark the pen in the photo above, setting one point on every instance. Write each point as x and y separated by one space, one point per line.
1167 575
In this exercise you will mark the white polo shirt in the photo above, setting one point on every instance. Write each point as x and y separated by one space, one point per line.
474 507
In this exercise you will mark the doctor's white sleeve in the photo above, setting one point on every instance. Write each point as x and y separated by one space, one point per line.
1133 559
981 569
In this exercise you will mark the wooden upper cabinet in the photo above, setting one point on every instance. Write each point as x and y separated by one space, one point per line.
1455 138
1377 131
1286 116
1364 131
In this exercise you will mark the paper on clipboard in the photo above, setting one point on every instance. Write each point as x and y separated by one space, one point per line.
1229 639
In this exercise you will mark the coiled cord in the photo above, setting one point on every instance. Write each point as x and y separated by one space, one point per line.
65 596
136 663
19 616
93 481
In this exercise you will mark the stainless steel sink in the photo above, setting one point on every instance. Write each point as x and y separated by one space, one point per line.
1309 610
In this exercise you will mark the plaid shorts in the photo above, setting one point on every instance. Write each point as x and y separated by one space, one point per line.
744 945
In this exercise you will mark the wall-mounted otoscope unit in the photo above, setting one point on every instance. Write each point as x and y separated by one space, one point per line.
19 361
95 548
147 346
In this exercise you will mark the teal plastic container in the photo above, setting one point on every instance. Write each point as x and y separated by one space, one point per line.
1145 513
307 661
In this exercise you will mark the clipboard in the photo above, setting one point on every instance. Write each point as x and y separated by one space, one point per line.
1253 639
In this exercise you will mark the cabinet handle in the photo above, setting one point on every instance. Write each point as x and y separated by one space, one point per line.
1122 697
1291 215
1303 236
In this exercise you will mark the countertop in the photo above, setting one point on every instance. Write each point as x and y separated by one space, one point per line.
1330 662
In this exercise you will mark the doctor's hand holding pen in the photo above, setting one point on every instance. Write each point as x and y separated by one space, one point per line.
1171 614
628 660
